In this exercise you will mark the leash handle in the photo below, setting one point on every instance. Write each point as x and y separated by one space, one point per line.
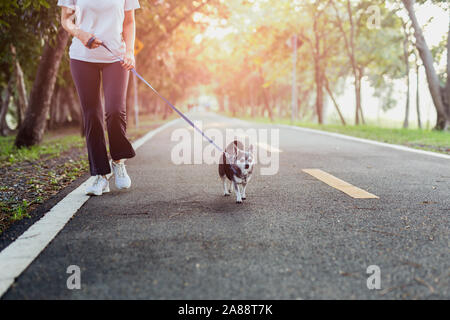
90 42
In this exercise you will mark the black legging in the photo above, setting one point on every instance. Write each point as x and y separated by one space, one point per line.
87 77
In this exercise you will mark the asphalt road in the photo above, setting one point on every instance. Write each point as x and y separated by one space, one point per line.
174 236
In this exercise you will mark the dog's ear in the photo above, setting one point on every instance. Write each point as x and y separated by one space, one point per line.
235 149
229 158
251 149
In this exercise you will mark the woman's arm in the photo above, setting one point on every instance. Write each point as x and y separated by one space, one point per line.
129 34
68 25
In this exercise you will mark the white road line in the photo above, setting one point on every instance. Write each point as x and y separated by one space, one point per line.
373 142
346 137
269 148
15 258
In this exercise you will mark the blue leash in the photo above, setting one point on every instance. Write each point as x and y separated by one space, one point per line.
89 44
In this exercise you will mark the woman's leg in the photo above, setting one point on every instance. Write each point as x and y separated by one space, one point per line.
86 76
115 82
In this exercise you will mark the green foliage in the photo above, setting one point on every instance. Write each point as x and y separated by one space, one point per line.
25 24
20 211
49 149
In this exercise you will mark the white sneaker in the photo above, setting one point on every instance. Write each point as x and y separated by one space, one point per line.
122 179
100 186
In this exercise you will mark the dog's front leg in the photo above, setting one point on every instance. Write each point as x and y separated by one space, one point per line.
226 192
244 186
238 192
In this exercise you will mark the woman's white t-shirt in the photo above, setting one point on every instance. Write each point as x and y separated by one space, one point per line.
104 19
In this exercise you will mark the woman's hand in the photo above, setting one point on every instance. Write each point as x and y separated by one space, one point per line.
67 18
128 60
85 37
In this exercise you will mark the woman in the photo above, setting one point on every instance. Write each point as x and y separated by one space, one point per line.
111 22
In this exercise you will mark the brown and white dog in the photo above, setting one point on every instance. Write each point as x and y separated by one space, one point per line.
237 166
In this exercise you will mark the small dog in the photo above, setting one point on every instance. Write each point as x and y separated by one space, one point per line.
237 165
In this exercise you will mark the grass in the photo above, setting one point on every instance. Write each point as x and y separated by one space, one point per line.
20 211
50 148
29 176
431 140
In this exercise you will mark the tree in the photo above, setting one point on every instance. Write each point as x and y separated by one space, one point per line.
25 25
33 127
439 93
350 48
321 44
22 101
406 54
417 67
4 106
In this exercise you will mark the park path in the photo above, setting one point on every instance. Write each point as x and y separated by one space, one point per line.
174 236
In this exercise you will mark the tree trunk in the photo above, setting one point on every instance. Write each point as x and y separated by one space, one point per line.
419 120
267 104
233 102
319 92
265 96
74 106
359 97
327 87
167 109
350 48
157 106
446 95
318 76
22 101
59 109
443 120
33 126
353 62
54 109
4 129
221 102
406 60
63 108
443 112
302 103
